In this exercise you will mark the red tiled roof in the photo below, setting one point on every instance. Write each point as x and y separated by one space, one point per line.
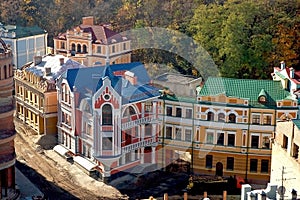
296 78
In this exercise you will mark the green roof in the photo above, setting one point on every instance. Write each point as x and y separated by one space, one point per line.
21 31
280 75
246 89
296 122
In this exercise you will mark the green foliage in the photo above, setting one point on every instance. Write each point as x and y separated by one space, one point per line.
245 38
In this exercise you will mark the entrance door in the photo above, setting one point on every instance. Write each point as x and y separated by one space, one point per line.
219 169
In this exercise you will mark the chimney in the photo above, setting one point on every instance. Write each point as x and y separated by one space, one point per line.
37 60
130 77
88 20
292 72
61 61
282 65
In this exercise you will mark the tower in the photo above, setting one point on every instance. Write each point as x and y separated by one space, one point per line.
7 130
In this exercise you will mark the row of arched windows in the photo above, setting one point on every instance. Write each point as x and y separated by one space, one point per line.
221 117
6 72
78 48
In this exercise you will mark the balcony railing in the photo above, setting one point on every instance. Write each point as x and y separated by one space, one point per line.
132 123
137 145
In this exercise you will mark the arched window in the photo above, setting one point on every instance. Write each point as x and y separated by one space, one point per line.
84 49
78 48
129 111
5 72
210 116
221 117
73 47
232 118
107 115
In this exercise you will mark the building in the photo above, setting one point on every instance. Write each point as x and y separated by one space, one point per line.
25 42
36 95
7 130
285 158
93 44
108 115
226 130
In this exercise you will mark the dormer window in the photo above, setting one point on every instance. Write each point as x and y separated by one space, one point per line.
262 97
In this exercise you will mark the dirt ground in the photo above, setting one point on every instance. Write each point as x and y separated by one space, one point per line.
57 178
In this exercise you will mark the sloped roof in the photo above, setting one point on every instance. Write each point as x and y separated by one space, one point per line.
245 89
21 31
88 80
296 122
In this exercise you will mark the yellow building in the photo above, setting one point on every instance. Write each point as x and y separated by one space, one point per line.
36 95
93 44
227 129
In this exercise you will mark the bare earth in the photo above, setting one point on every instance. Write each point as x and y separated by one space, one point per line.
57 178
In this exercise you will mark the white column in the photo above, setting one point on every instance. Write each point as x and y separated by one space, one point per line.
132 155
143 109
142 131
142 155
153 130
153 157
123 160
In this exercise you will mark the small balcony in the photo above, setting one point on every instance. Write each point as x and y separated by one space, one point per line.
144 143
134 120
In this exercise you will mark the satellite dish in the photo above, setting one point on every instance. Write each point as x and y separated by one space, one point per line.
281 190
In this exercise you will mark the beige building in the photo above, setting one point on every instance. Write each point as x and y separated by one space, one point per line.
93 44
285 168
36 95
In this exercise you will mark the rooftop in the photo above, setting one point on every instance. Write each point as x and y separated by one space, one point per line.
14 31
246 89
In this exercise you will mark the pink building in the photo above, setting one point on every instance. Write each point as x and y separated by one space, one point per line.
108 115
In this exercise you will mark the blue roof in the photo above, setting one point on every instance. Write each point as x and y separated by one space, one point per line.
88 80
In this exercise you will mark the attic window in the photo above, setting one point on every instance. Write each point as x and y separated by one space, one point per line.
262 97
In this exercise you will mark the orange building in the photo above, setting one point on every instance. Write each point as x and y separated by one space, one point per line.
7 130
93 44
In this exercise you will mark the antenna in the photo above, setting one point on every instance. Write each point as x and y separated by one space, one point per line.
281 189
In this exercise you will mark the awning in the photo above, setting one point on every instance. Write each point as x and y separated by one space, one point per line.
86 164
61 150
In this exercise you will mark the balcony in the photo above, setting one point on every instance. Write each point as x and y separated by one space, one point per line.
140 144
132 121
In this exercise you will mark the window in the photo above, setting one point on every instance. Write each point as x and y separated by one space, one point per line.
266 142
148 130
285 142
178 134
232 118
255 118
188 135
220 140
254 141
295 151
169 132
78 48
188 113
221 117
178 112
267 119
253 165
231 139
113 49
210 116
124 46
98 49
264 166
230 163
84 49
148 107
208 161
62 45
107 143
106 115
209 137
169 111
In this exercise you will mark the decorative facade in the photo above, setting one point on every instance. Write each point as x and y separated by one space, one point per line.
7 130
108 115
227 129
93 44
25 42
35 93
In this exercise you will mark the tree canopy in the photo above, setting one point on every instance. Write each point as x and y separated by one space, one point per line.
245 38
